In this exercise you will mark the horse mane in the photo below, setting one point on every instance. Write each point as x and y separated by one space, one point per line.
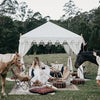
5 58
90 56
86 55
98 53
84 48
90 53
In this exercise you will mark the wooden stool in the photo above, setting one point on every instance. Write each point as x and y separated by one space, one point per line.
78 81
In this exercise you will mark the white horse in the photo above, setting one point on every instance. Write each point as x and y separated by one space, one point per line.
6 60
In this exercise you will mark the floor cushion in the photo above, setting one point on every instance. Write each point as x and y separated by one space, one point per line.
42 90
78 81
59 84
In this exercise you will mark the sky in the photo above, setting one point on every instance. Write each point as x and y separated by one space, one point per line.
54 8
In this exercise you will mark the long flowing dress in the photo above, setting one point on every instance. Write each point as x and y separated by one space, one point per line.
98 73
41 75
80 72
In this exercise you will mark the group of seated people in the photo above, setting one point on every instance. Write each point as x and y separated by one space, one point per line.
42 73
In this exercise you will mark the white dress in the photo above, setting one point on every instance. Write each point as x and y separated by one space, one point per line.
80 72
41 75
98 73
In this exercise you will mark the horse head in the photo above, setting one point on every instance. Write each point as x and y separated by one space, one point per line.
83 56
79 60
80 57
17 61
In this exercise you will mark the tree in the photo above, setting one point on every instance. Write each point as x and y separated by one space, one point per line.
30 13
94 42
85 30
70 9
35 21
97 17
37 16
9 35
47 18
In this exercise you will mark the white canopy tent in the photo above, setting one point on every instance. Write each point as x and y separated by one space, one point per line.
50 32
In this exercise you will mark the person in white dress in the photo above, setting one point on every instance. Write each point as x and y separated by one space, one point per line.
98 73
41 71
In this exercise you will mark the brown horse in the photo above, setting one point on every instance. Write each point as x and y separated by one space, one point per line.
6 61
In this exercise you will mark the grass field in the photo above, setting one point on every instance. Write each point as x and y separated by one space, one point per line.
88 91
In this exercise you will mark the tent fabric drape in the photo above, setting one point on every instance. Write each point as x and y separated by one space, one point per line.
67 49
24 46
75 45
69 64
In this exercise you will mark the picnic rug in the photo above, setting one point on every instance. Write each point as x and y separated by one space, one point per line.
20 91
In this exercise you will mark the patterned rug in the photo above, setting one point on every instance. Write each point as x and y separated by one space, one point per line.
24 91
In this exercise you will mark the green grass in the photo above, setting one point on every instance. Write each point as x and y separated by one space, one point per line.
88 91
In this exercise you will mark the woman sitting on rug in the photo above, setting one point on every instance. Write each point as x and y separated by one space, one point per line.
98 74
66 75
41 72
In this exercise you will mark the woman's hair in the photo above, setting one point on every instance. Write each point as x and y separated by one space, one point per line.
36 62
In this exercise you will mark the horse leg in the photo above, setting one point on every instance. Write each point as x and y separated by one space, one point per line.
3 85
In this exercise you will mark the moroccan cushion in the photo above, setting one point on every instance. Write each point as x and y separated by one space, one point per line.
59 84
57 67
42 90
78 81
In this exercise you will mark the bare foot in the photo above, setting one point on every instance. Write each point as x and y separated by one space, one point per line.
98 82
4 94
52 77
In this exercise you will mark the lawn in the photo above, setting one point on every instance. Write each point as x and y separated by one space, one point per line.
88 91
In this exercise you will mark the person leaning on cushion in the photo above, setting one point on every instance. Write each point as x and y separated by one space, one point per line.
98 73
41 72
